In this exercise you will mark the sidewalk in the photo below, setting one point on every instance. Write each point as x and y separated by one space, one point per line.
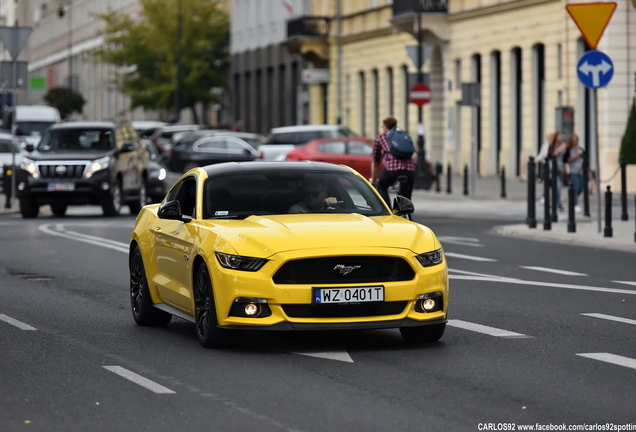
512 211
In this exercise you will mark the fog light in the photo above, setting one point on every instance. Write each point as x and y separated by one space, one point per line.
21 186
252 309
105 186
428 304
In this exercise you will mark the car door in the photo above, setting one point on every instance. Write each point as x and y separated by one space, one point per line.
332 152
174 244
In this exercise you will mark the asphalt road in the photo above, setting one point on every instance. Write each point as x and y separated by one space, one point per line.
538 333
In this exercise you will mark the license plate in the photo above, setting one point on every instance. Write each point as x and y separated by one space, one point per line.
63 187
349 295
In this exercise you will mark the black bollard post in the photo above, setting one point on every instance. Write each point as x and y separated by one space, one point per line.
503 182
623 164
438 177
554 178
571 220
8 189
532 220
586 188
465 179
608 213
448 179
547 220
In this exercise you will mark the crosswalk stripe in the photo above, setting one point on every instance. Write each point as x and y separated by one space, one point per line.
551 270
611 358
491 331
610 318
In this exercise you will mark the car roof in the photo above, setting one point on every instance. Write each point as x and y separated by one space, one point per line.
303 128
255 166
83 124
6 135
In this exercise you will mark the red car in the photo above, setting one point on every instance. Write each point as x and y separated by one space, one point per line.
354 152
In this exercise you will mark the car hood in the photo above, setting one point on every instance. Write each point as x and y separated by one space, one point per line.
263 236
67 155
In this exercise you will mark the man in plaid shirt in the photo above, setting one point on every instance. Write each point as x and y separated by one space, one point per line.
393 167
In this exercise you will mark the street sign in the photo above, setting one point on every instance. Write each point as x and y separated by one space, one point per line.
420 94
37 83
591 19
426 51
595 69
315 76
14 39
13 74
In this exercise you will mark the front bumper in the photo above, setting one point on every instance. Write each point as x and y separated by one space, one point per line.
85 190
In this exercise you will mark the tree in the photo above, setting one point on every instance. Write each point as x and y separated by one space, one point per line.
66 100
147 50
628 143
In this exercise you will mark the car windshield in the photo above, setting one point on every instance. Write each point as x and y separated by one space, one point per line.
242 195
301 137
74 140
32 128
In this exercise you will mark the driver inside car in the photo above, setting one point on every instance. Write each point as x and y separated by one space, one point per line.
315 192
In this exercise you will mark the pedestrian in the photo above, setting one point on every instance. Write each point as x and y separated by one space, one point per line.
556 150
574 158
393 167
542 155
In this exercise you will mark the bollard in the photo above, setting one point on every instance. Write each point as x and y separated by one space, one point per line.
586 188
438 175
554 179
571 220
532 221
635 218
547 220
8 186
448 179
465 179
608 213
623 164
503 182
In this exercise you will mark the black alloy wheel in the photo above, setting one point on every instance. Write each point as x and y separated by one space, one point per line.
144 313
29 208
210 336
427 333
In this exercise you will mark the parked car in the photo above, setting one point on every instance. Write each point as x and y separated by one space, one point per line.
145 128
9 153
79 163
162 137
28 122
194 150
356 153
224 252
254 139
156 185
282 140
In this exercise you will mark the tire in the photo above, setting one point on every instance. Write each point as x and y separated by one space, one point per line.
427 333
112 205
59 209
29 208
188 166
144 313
209 334
136 206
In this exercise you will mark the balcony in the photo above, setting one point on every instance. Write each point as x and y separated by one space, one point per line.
433 15
307 36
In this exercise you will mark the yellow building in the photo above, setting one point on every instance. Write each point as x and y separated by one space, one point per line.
522 54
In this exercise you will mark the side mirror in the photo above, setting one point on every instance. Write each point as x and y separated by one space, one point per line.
172 210
127 147
402 206
29 147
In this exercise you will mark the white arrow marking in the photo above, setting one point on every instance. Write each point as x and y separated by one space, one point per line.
595 71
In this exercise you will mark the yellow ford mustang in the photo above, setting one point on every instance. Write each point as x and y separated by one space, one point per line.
285 246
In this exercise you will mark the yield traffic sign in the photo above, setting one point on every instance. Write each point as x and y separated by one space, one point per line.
595 69
420 94
591 19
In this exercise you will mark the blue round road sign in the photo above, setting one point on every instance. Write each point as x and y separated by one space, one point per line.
595 69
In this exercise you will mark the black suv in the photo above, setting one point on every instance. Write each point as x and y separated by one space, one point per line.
84 163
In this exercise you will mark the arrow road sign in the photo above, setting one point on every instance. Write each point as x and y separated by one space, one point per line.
595 69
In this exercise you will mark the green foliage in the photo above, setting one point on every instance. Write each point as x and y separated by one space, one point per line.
66 100
628 143
147 49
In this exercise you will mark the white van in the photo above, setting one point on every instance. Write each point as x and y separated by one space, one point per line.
30 121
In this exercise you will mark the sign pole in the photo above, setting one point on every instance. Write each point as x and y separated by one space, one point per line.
598 162
421 177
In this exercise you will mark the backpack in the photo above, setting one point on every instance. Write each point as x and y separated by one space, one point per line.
400 143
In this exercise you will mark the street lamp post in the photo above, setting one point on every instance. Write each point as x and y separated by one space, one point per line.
177 91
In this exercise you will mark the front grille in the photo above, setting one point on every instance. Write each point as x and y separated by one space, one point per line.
344 310
62 171
369 269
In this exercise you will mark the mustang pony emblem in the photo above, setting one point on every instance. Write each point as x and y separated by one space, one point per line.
345 269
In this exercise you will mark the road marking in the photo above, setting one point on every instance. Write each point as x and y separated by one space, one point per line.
610 318
329 355
492 331
16 323
478 276
468 257
59 230
463 241
138 379
625 282
611 358
551 270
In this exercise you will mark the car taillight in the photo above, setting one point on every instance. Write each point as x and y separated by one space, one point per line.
297 154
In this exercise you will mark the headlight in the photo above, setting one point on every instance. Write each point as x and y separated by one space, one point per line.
97 165
237 262
429 259
29 166
162 174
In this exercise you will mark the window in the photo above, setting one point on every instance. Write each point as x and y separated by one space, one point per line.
337 147
360 148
